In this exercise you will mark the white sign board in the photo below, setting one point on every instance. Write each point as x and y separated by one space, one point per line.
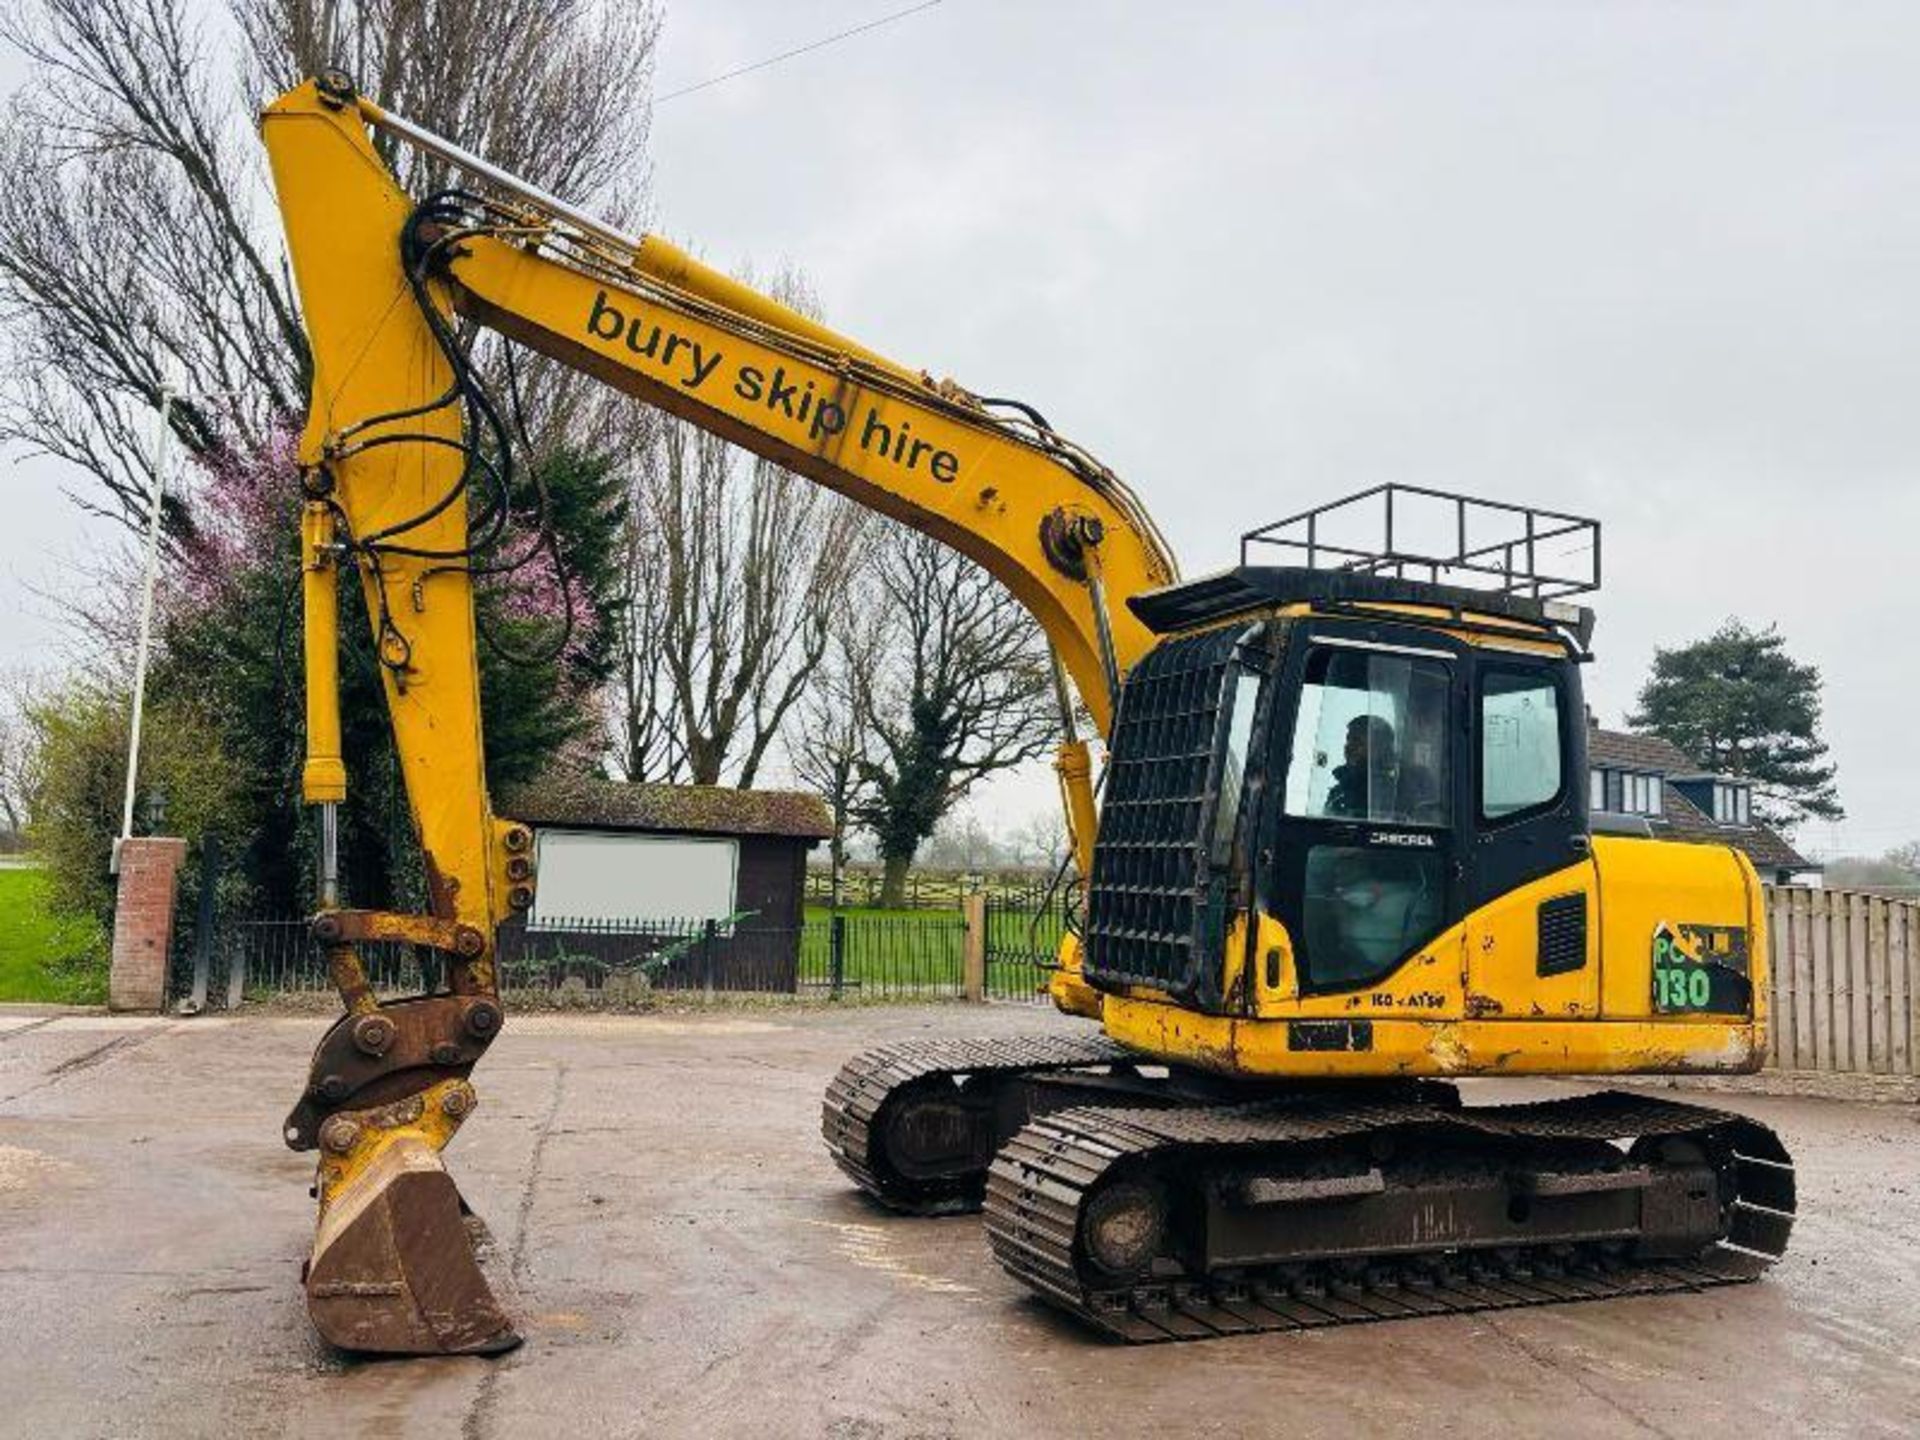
585 875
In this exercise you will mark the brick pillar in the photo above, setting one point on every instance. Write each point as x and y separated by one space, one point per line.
143 922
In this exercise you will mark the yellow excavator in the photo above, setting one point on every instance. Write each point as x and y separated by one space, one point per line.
1341 853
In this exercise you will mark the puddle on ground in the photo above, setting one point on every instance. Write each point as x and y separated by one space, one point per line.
21 1168
868 1247
550 1024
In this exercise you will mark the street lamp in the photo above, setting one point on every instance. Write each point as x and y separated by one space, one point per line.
155 494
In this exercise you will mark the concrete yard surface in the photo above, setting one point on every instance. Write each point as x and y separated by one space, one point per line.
688 1262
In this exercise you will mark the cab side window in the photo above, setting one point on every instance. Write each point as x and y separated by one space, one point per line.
1521 742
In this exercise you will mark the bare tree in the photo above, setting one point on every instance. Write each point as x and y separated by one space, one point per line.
127 248
553 90
1905 857
1041 841
740 571
18 762
962 841
645 739
135 237
967 692
829 746
746 567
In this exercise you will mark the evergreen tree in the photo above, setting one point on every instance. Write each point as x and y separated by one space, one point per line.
1738 705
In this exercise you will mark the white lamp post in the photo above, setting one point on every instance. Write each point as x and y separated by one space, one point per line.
154 497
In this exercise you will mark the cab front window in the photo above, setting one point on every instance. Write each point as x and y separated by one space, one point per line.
1370 743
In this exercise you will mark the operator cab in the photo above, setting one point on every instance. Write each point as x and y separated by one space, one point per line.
1366 757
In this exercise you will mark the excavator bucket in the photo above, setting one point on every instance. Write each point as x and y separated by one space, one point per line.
395 1269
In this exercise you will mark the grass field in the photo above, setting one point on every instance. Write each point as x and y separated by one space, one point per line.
904 954
44 956
917 951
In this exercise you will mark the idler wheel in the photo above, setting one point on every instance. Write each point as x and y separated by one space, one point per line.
1123 1227
933 1134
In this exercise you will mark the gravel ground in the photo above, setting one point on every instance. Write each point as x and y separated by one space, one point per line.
688 1262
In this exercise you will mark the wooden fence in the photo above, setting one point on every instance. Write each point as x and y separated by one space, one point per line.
1846 982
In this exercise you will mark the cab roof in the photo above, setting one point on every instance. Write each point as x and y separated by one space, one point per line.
1245 588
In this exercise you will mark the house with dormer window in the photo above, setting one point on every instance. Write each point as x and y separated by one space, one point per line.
1643 784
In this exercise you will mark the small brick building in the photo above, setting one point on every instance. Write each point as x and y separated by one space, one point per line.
680 860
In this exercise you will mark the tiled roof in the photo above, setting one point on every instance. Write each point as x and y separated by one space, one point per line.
593 802
1681 819
1687 821
1623 750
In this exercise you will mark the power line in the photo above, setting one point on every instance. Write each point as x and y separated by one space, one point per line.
819 44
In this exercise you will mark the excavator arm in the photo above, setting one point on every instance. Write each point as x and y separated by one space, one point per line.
403 486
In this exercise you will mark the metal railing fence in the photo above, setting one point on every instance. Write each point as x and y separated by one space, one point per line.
601 962
1844 979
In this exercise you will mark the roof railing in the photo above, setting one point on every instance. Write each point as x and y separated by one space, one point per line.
1411 532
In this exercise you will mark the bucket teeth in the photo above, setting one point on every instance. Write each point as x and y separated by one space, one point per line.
393 1269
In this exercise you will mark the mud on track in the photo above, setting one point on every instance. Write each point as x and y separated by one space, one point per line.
688 1262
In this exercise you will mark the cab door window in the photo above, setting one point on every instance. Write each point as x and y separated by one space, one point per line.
1368 791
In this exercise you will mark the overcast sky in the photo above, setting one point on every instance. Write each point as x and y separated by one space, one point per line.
1656 263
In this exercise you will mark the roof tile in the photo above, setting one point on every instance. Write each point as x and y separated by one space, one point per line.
570 799
1681 818
1624 751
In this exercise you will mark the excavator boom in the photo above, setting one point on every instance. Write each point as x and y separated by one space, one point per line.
396 462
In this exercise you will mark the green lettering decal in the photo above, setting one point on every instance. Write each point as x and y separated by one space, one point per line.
1700 969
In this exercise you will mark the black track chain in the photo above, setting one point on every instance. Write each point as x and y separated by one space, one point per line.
859 1093
1040 1179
